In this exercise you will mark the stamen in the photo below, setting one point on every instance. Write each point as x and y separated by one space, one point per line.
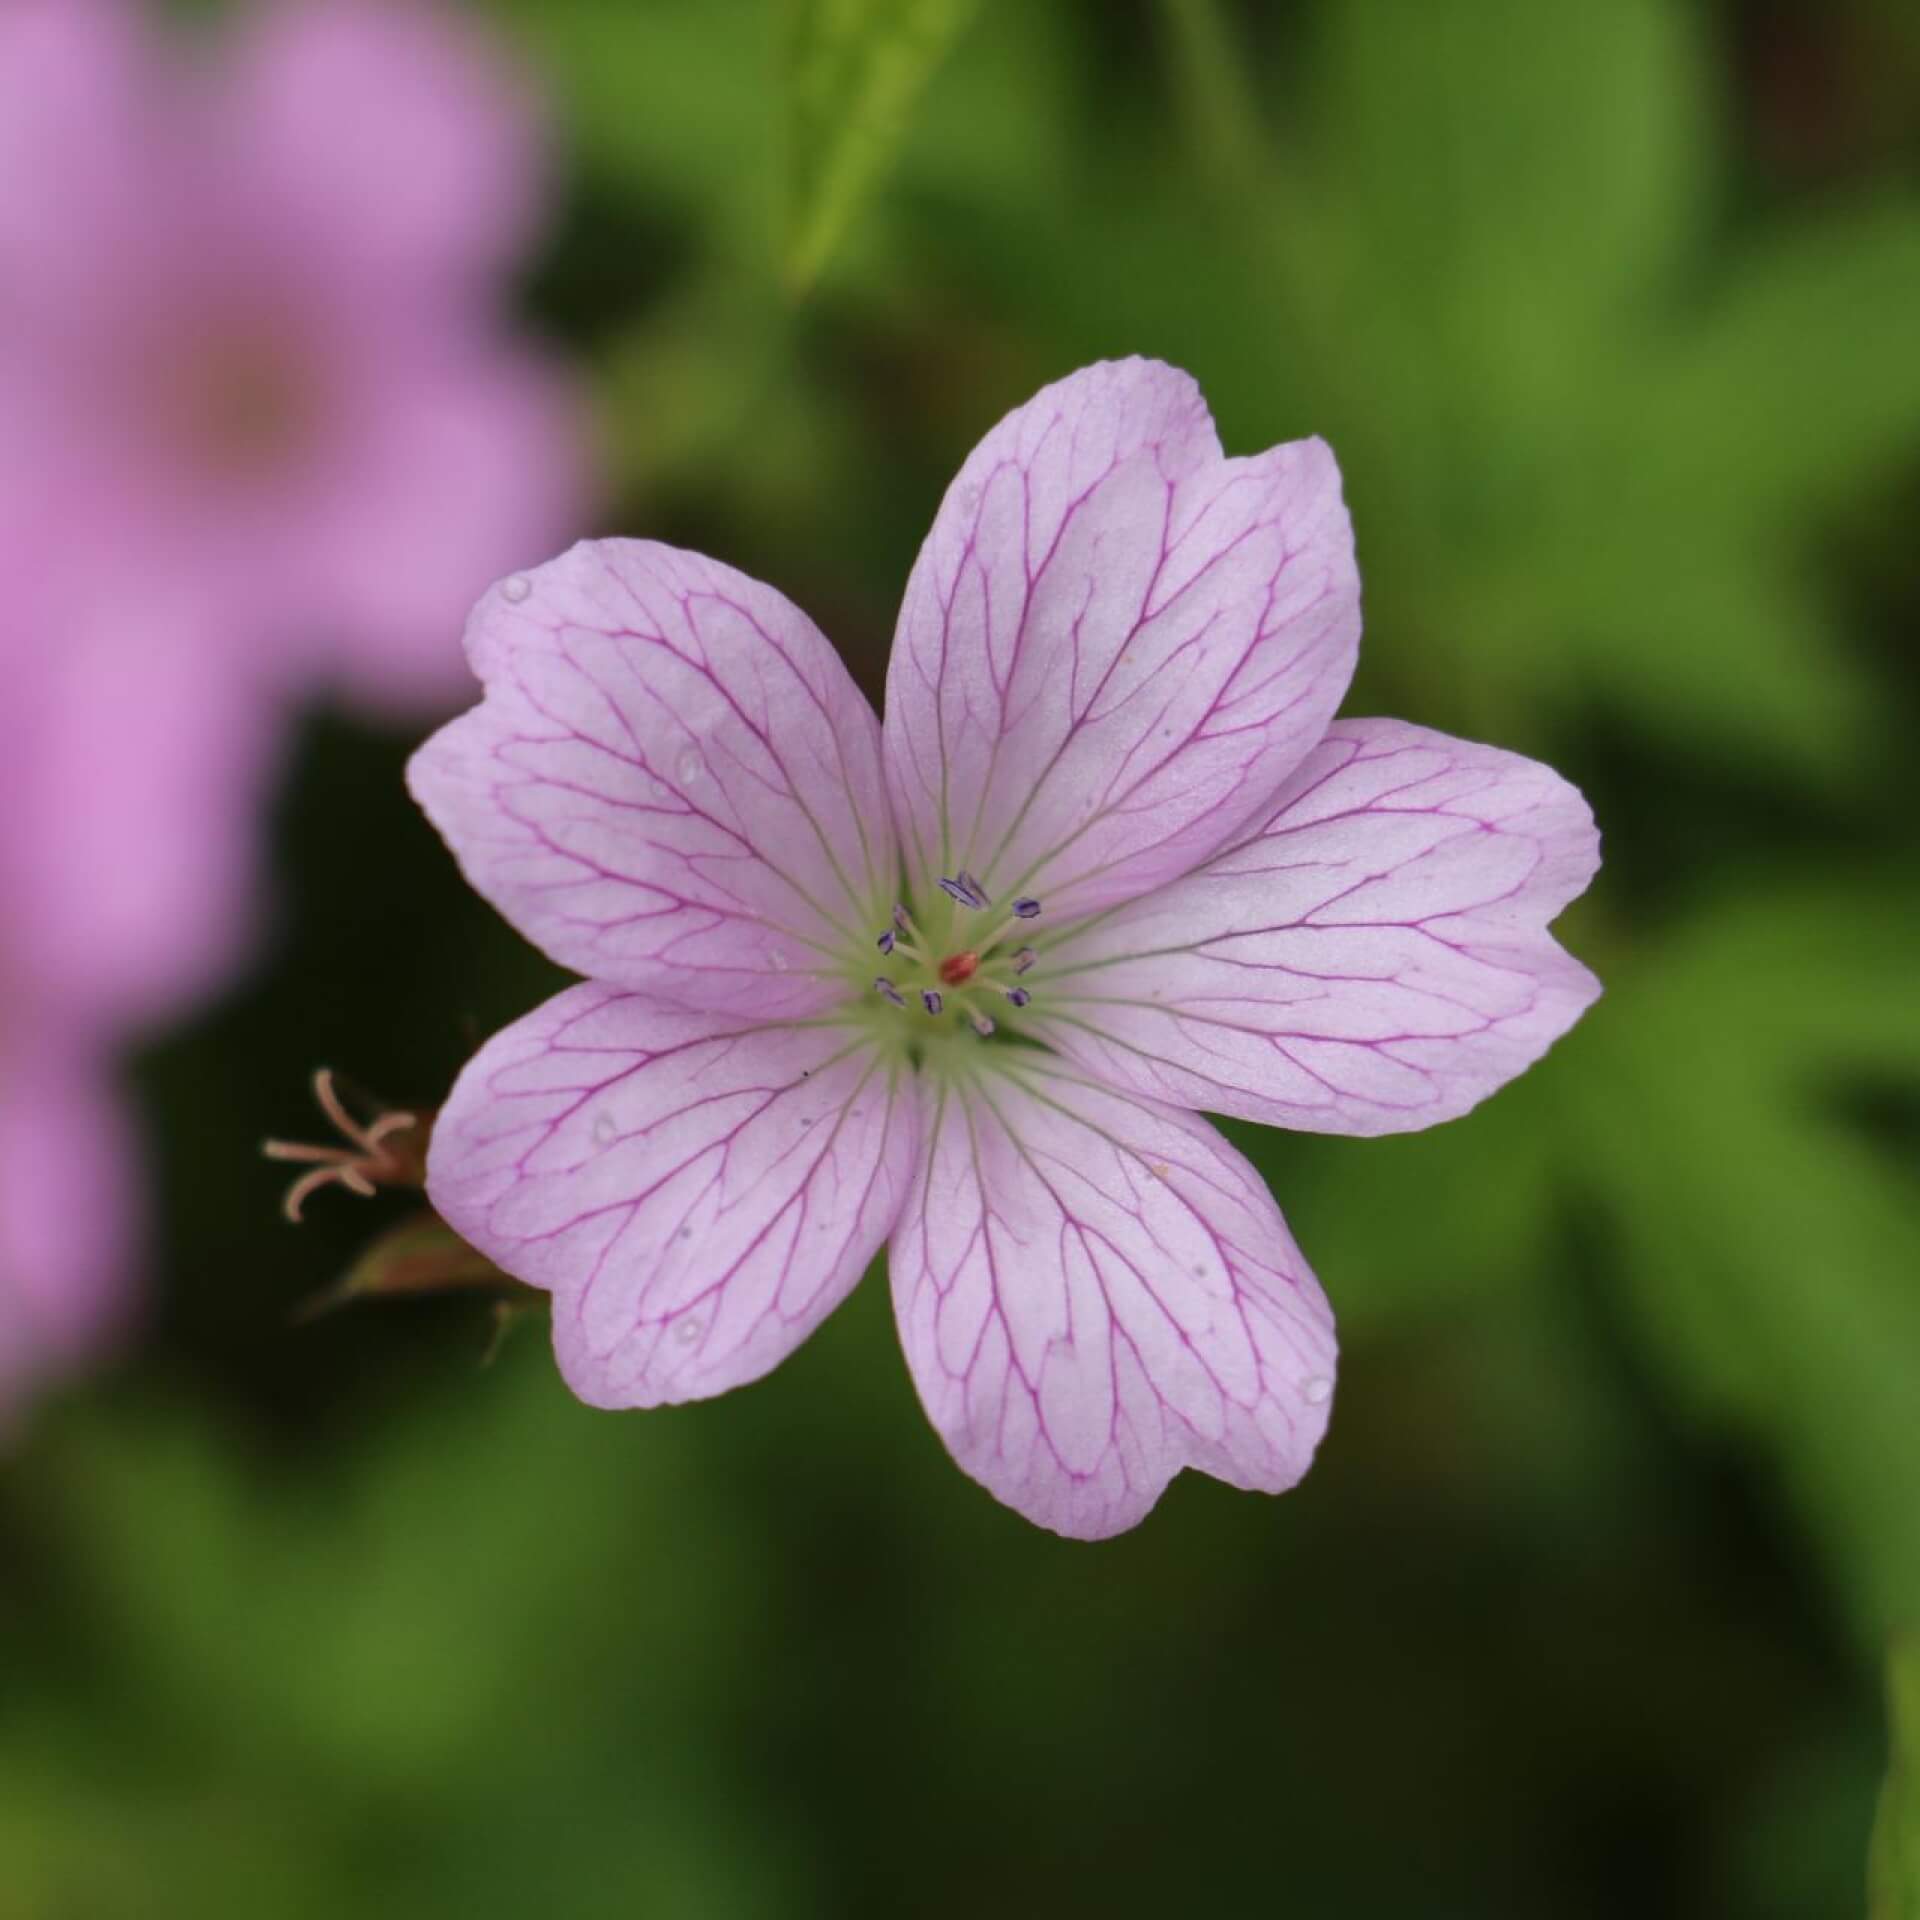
902 919
966 890
885 942
930 1000
980 1022
881 984
1026 909
1019 996
1024 959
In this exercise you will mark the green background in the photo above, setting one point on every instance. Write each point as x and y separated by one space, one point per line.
1611 310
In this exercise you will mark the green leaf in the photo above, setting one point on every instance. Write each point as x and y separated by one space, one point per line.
1799 381
664 97
1592 446
855 69
1769 1244
1893 1869
1223 125
1715 651
1426 1224
388 1627
1503 155
468 1659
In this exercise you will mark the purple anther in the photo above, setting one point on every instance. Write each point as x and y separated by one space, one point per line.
980 1023
1024 959
1026 908
930 1000
901 923
882 984
966 890
885 942
1019 996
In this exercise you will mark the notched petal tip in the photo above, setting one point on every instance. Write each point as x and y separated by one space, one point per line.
671 783
1094 1292
1116 642
697 1195
1374 959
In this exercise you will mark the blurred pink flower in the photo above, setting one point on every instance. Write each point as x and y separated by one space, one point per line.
67 1207
953 985
264 432
133 769
248 324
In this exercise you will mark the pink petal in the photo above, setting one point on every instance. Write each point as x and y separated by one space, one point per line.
672 784
697 1195
392 136
66 1209
1094 1292
454 463
137 759
77 84
1374 959
1116 643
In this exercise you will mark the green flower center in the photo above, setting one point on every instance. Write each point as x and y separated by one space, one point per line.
954 965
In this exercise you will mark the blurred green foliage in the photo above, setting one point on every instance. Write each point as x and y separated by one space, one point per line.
854 71
1610 312
1894 1883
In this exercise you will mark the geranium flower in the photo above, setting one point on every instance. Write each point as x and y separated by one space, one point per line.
68 1212
131 788
262 429
250 329
951 984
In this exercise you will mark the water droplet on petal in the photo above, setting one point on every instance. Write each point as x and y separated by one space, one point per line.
603 1129
777 960
687 1331
1316 1390
687 768
515 587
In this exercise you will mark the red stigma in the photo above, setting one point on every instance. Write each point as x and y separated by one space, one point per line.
958 968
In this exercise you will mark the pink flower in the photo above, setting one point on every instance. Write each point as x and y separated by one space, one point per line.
951 984
247 322
67 1214
262 429
130 789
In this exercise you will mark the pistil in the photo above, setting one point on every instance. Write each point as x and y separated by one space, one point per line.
372 1157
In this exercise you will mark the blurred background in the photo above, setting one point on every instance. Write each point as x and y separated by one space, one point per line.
1612 314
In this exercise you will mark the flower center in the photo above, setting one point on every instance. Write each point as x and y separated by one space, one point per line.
248 408
238 400
971 978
